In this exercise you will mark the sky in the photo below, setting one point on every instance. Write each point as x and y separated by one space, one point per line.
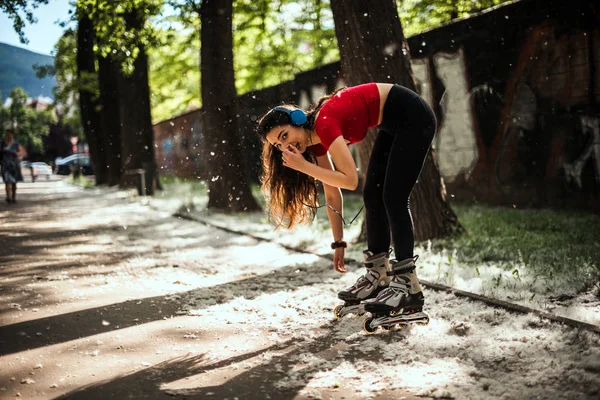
42 35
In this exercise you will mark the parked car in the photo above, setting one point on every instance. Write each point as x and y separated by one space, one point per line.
64 166
41 168
37 168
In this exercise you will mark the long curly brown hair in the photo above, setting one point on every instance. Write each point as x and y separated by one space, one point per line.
292 197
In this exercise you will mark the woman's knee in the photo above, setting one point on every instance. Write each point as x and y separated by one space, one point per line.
371 198
372 192
396 199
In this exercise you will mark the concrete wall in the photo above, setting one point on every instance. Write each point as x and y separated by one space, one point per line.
516 91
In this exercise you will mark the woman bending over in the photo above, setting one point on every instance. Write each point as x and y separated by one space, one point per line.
303 147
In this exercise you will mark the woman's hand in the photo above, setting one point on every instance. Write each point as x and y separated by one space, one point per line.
292 158
338 260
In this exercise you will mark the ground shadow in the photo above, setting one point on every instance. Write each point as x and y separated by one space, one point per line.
59 328
267 380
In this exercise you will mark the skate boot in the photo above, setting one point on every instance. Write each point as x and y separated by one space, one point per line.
399 304
367 286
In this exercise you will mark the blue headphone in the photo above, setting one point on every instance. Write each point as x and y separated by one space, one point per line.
297 117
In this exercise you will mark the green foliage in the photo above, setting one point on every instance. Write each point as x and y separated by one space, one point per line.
65 71
122 27
420 15
273 40
31 125
83 181
66 92
175 73
545 242
114 37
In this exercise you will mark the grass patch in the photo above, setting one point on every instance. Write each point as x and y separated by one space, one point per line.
553 245
189 190
83 181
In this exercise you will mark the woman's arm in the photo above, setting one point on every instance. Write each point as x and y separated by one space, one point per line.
333 197
344 176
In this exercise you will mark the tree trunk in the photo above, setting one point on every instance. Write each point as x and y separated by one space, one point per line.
108 77
137 135
90 117
229 189
373 49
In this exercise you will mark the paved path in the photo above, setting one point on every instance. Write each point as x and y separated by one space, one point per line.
91 287
102 296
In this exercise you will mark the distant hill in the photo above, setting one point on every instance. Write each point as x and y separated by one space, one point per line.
16 70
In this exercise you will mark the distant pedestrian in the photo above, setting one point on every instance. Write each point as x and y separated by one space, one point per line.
10 163
31 170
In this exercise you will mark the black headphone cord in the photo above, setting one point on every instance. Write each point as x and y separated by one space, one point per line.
337 212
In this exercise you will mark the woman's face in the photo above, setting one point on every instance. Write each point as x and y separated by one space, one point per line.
288 135
9 136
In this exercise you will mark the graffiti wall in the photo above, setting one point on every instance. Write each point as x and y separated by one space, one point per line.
519 89
516 90
456 139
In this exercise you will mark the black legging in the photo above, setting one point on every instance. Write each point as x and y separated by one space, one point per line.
402 143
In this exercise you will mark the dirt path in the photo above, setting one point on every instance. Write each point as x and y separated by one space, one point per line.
104 297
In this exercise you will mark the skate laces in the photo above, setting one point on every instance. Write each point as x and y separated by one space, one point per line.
400 287
395 260
365 278
397 287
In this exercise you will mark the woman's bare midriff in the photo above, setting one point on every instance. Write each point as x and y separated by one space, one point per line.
384 90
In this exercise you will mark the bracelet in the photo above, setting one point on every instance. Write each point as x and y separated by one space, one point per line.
338 244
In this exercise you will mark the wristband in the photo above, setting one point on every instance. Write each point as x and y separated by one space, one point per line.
339 243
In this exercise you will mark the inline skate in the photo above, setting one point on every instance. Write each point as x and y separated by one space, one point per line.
367 286
401 303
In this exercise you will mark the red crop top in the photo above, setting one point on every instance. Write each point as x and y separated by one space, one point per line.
349 114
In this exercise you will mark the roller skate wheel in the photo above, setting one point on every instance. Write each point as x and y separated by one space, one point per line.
336 311
367 326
